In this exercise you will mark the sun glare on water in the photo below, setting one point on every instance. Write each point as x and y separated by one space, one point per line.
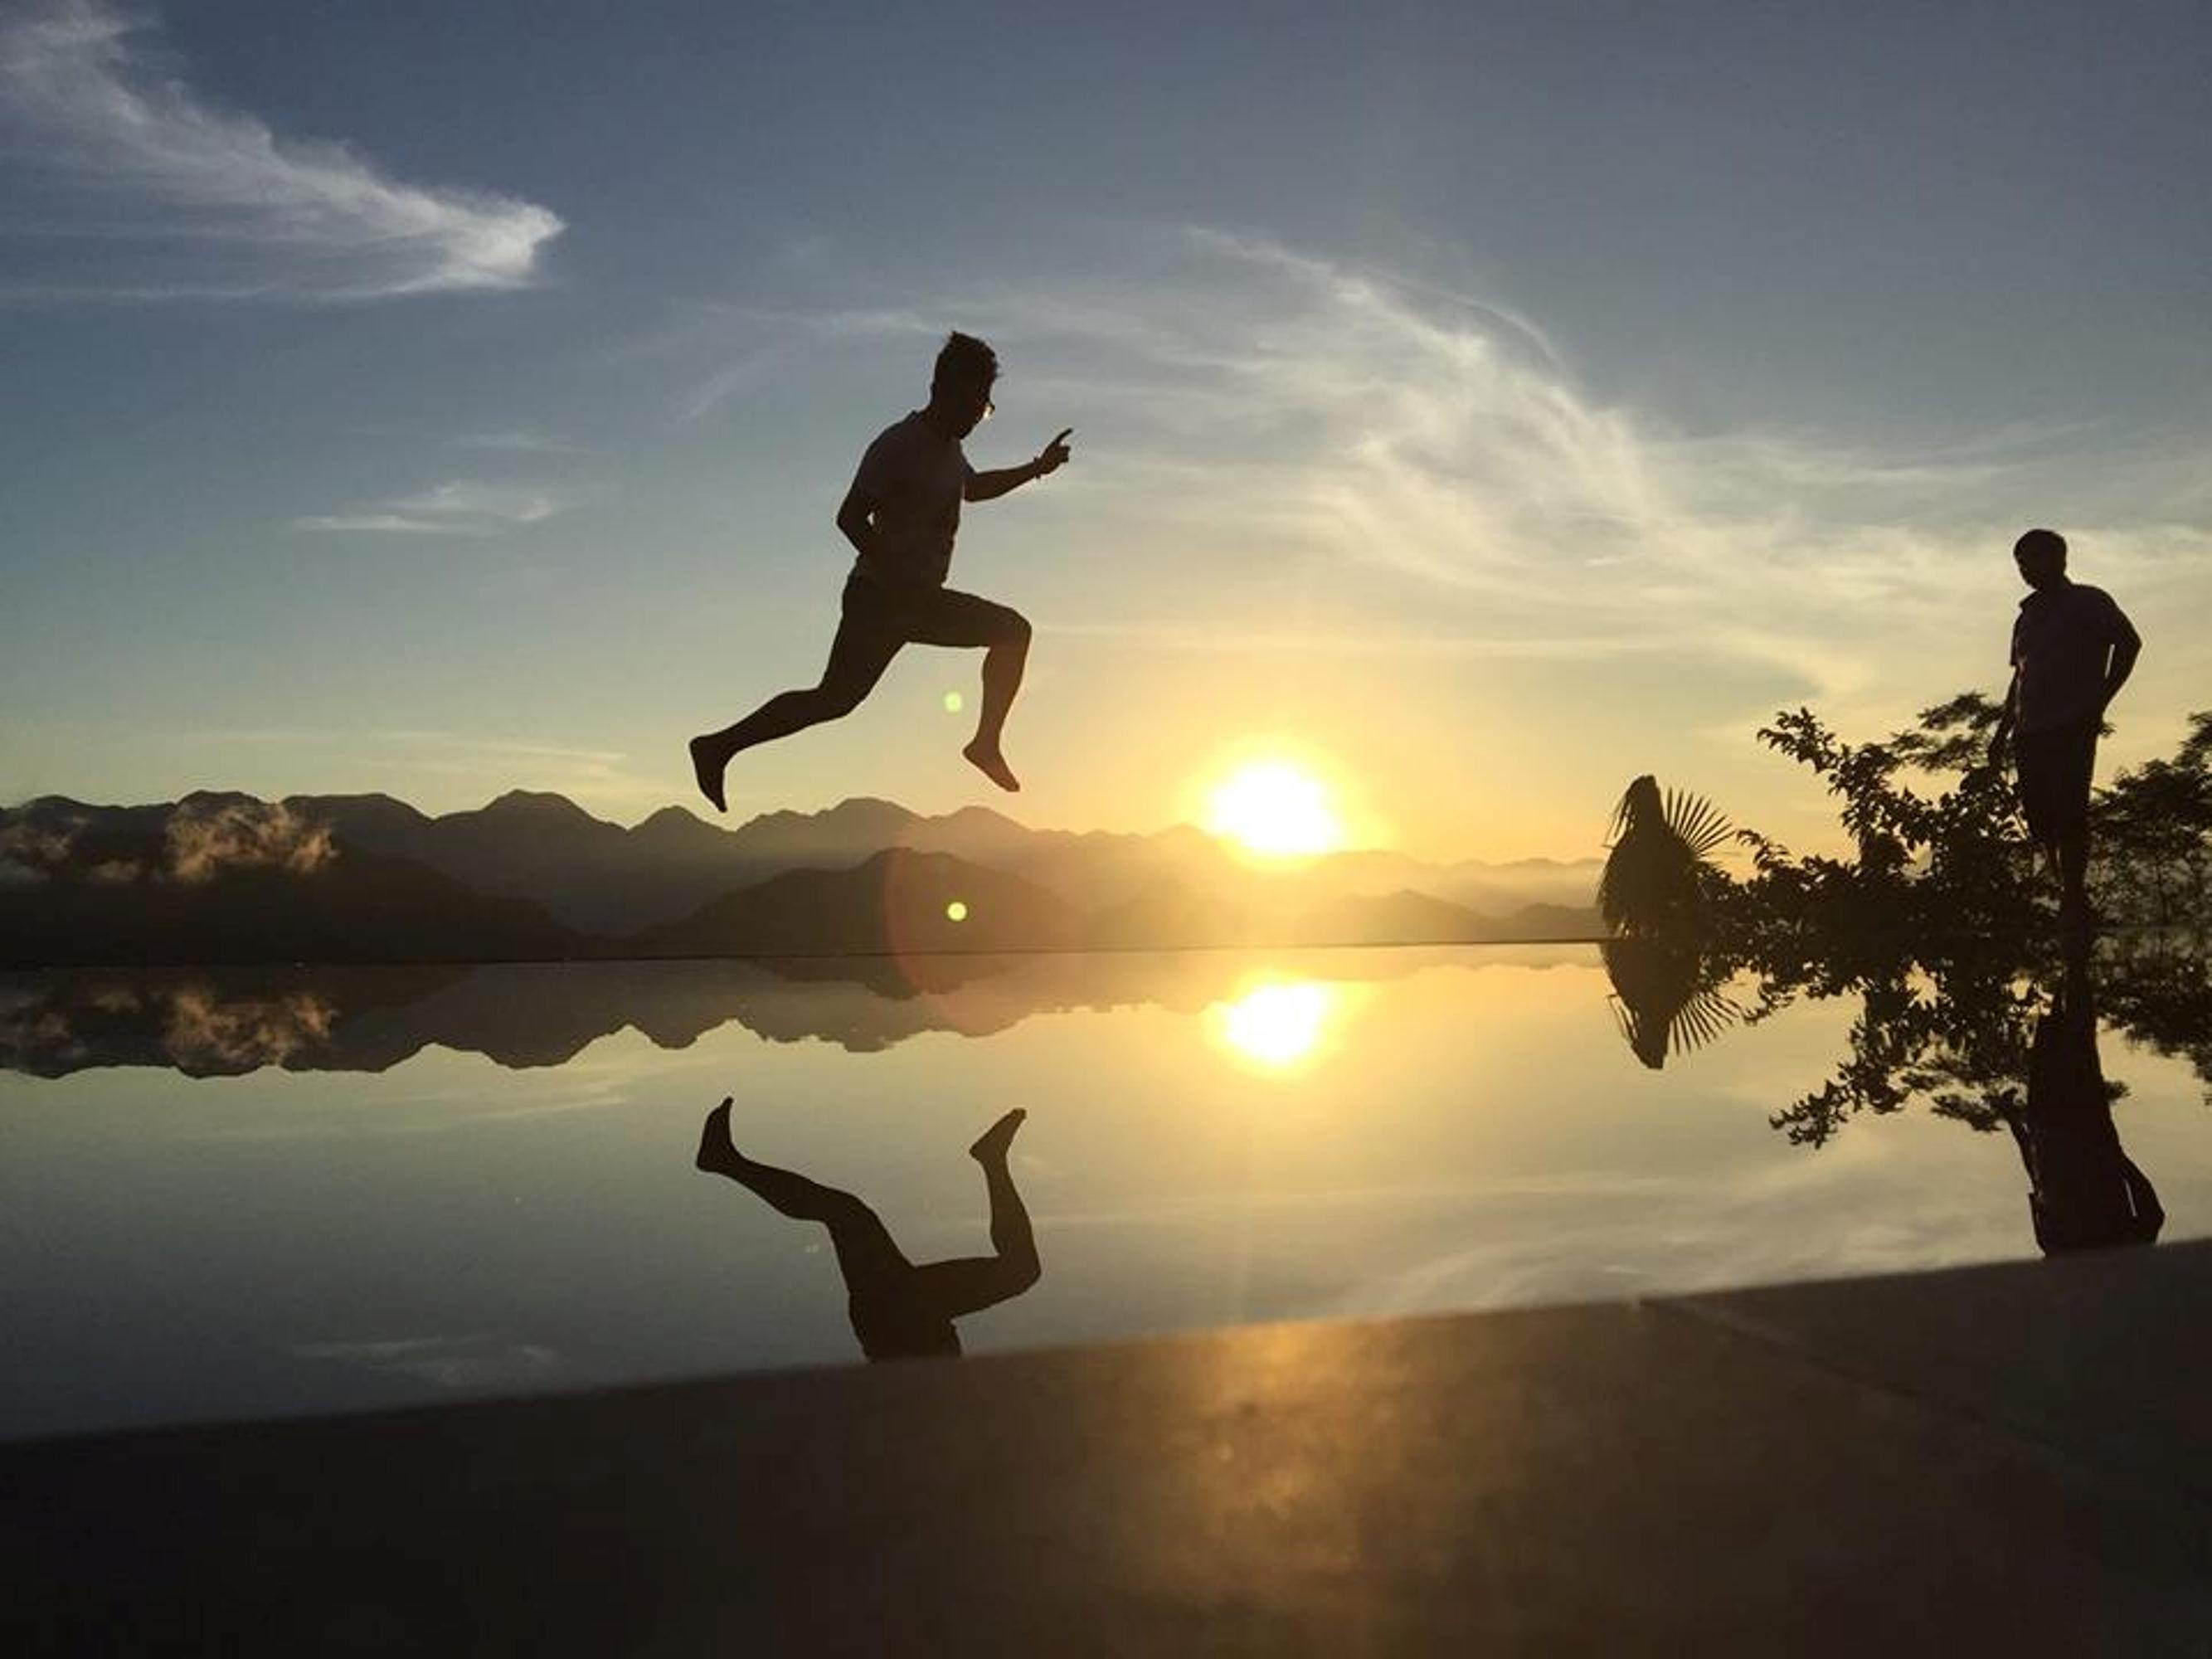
1276 809
1276 1027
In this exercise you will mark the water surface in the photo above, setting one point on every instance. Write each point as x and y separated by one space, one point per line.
228 1195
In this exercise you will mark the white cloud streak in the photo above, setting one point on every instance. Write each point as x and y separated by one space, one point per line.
460 507
161 195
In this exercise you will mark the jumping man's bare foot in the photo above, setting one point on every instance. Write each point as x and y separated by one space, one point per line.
707 767
993 764
991 1145
717 1154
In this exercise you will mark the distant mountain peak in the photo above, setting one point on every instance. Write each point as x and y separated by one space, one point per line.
981 815
537 804
856 814
869 807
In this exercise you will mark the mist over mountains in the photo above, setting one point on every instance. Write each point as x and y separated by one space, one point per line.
228 878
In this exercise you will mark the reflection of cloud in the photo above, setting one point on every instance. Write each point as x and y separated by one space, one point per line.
197 201
461 506
476 1361
207 1032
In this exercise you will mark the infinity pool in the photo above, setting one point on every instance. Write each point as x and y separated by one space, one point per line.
296 1191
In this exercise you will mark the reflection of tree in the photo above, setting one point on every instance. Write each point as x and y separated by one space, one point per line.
1934 924
1953 1030
2159 991
1667 997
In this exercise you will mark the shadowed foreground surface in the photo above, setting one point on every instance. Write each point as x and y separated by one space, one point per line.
2010 1459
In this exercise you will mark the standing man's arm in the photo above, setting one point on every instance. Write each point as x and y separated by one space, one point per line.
2002 734
989 486
2127 646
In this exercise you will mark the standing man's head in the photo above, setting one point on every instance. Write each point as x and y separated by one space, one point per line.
960 390
2041 556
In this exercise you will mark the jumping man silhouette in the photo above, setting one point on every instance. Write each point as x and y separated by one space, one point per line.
901 516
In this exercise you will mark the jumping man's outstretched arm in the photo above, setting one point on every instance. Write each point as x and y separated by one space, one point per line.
989 486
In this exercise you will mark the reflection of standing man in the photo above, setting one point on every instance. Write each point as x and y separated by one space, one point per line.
2083 1192
2072 650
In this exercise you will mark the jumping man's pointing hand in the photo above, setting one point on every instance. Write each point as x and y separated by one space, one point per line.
1054 455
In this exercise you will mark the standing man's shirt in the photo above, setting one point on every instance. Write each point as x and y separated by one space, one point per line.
912 480
2062 644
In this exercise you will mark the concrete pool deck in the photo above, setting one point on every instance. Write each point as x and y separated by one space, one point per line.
2014 1459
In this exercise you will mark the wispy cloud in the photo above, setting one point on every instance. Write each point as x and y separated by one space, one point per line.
1179 636
518 443
461 506
158 193
1414 455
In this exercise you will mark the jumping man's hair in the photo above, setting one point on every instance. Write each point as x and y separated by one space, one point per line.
2041 544
964 361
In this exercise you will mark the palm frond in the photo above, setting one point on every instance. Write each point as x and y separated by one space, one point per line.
1700 825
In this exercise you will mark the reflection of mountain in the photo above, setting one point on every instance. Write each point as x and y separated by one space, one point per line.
365 878
215 1022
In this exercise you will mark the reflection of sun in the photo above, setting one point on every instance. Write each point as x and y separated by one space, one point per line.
1275 808
1276 1026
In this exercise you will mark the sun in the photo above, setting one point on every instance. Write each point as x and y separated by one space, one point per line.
1276 809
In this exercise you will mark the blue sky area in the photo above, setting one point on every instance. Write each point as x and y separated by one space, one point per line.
1487 404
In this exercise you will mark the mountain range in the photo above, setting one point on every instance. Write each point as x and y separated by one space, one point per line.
229 877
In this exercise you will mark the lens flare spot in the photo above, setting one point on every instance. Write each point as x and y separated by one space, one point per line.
954 703
956 911
1276 1026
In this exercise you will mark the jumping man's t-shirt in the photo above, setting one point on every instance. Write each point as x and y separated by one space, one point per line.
912 479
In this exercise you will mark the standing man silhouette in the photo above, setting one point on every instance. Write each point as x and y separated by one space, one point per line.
2072 650
901 516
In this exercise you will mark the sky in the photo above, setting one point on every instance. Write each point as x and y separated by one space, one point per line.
1483 404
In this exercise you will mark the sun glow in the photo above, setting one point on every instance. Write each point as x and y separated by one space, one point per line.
1274 808
1278 1026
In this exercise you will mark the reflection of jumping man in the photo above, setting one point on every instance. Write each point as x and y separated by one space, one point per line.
901 516
899 1312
